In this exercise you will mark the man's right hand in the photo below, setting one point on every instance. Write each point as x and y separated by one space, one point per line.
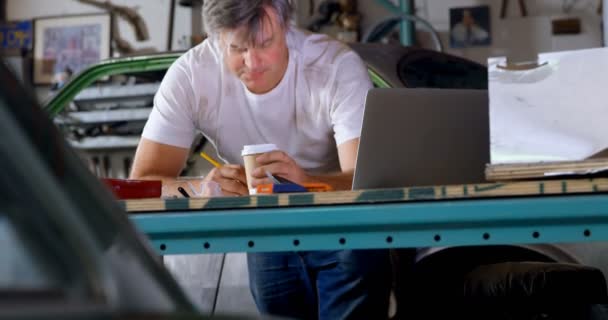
231 178
157 161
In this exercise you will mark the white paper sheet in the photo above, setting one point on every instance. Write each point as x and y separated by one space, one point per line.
556 112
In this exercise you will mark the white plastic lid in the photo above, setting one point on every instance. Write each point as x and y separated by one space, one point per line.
258 148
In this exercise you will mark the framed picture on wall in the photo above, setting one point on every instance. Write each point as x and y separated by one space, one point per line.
16 37
470 27
69 44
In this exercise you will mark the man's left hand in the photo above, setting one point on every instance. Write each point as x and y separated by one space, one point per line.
278 163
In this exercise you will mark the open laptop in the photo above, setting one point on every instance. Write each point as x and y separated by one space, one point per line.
423 137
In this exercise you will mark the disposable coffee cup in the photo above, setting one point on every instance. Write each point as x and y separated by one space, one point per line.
249 153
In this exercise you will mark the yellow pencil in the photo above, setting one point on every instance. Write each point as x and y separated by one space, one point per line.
208 158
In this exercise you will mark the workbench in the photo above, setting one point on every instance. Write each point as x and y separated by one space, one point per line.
544 211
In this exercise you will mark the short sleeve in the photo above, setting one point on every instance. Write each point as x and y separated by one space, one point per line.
171 120
351 85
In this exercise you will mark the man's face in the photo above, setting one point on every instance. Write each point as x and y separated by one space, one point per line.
260 65
467 18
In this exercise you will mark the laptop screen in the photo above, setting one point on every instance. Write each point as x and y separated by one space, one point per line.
423 137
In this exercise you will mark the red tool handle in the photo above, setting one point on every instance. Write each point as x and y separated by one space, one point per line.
134 189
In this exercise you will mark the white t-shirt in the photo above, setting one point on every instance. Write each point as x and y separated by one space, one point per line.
317 105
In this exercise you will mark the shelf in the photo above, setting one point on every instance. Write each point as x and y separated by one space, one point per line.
106 142
116 92
104 116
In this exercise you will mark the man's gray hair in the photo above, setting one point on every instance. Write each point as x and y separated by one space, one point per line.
222 15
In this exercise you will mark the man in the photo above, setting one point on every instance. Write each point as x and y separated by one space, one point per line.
468 32
256 80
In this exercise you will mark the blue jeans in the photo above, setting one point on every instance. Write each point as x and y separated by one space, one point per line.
345 284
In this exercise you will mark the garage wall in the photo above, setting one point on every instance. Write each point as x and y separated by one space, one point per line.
605 24
517 34
154 12
535 29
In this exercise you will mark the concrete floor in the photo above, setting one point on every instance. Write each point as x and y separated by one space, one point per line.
217 283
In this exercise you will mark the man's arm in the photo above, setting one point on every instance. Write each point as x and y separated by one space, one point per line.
347 152
157 161
348 98
279 163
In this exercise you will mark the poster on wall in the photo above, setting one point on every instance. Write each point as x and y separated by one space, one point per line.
470 27
69 44
16 36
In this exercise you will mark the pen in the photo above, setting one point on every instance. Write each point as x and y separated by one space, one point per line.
183 192
208 158
215 163
272 178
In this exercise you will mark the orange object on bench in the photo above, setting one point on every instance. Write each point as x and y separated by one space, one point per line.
310 187
318 187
